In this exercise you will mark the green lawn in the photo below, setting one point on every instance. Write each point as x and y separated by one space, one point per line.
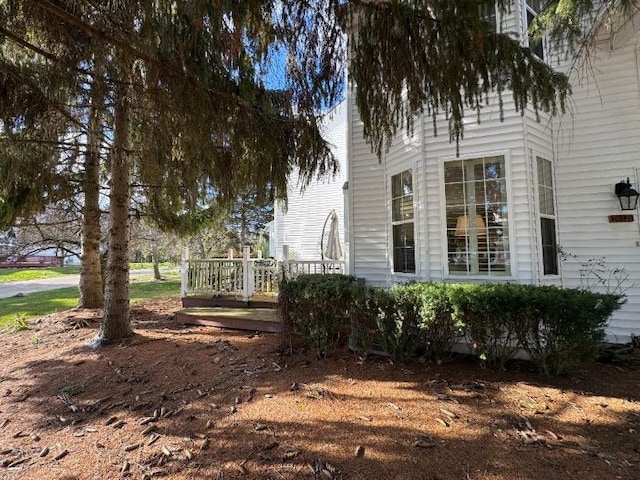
42 303
141 266
22 274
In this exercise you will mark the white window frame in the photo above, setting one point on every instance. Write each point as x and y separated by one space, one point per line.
526 9
447 275
540 216
391 222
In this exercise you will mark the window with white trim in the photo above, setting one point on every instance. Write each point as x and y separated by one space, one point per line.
488 12
546 199
402 223
477 217
533 8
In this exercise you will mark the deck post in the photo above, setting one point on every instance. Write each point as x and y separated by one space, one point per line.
230 254
246 274
184 272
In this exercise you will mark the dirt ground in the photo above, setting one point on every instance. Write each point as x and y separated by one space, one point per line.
200 402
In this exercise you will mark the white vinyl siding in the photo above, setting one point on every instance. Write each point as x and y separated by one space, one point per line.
598 145
300 224
367 197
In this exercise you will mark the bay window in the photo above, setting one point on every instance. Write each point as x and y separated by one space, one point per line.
477 217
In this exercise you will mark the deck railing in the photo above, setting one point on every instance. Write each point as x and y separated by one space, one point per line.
245 277
214 275
293 268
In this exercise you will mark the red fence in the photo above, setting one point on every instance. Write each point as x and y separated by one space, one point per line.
31 261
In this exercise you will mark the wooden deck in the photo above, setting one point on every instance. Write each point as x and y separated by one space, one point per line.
229 301
254 319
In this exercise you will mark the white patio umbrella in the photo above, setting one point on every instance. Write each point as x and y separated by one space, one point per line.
331 248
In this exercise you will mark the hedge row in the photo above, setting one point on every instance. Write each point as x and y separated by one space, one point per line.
556 327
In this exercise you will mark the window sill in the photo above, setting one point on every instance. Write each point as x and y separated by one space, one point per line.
476 278
404 274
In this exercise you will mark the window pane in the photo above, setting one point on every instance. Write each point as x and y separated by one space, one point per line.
496 191
540 163
548 201
402 209
403 248
453 172
454 193
494 167
549 247
488 13
545 176
478 171
548 177
407 183
536 5
396 186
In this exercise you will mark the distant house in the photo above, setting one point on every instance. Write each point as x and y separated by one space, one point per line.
518 190
8 243
301 223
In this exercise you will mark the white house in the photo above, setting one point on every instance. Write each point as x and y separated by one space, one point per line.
518 189
301 223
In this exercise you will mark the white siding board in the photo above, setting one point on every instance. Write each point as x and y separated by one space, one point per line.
366 185
597 146
300 226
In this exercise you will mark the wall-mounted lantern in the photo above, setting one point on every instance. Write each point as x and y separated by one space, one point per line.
627 196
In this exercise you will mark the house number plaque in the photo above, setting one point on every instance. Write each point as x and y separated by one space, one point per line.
620 218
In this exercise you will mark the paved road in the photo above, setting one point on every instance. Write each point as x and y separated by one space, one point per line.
11 289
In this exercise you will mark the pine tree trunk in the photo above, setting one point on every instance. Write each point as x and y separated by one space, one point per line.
116 324
91 287
154 259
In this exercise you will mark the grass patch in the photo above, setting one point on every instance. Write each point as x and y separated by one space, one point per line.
22 274
148 265
43 303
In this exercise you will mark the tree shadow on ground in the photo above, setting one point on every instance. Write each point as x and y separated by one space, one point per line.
225 404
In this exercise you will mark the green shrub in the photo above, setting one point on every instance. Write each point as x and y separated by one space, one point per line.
397 315
407 319
564 327
364 331
439 322
494 314
318 307
556 327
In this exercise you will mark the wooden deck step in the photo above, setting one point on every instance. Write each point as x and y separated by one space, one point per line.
254 319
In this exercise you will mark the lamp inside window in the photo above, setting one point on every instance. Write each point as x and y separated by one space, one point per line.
463 225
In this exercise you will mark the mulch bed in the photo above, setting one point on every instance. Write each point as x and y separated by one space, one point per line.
199 402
